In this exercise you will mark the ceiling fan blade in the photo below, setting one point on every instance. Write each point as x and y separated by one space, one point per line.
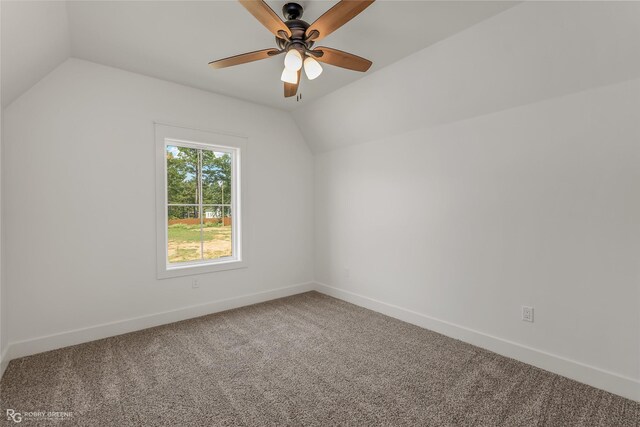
343 12
244 58
340 59
267 17
291 89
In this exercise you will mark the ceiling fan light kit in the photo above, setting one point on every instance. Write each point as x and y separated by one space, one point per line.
293 60
297 38
289 76
312 68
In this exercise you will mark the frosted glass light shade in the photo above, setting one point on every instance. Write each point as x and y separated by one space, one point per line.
289 76
293 60
312 68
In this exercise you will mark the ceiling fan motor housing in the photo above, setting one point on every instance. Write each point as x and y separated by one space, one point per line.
293 11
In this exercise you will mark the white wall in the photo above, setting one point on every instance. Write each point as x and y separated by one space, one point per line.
3 311
3 300
79 201
496 169
466 222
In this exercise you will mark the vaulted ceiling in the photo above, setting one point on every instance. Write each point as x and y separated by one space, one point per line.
434 62
174 41
34 40
535 51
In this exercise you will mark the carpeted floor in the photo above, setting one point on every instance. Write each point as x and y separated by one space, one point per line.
302 360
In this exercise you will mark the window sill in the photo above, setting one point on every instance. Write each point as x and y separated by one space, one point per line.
165 272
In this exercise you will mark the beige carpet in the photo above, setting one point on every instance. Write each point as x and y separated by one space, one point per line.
303 360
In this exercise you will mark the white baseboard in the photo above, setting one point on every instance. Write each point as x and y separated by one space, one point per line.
78 336
596 377
599 378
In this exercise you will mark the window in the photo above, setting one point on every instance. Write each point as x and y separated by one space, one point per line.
199 201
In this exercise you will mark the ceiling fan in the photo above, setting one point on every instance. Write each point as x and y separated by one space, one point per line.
296 38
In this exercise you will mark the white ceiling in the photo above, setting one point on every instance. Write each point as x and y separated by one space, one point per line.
175 40
532 52
35 40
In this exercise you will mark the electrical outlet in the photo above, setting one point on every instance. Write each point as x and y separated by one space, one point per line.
195 284
527 313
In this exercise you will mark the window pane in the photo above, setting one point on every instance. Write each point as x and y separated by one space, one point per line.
182 175
216 232
216 196
183 234
216 177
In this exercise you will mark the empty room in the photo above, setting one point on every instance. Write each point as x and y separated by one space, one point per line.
319 213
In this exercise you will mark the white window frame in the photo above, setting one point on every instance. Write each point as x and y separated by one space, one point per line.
185 137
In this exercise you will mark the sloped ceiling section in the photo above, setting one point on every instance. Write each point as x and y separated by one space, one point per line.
175 40
35 40
531 52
